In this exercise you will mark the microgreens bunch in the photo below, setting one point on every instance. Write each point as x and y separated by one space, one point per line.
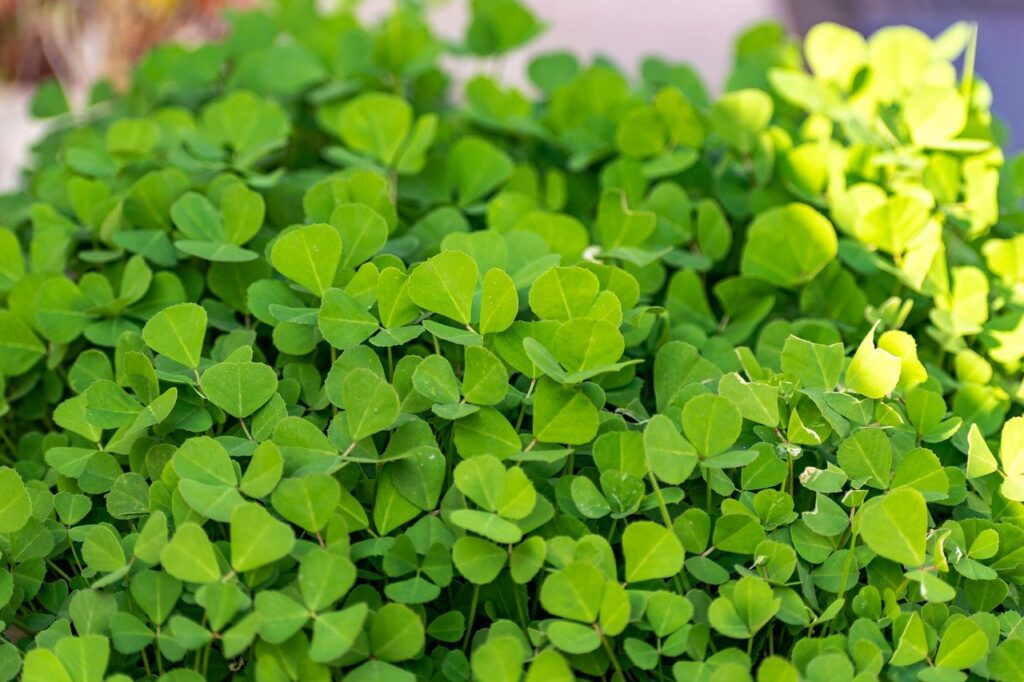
318 364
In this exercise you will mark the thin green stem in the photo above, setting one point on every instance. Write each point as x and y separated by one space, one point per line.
472 617
611 530
199 383
569 462
58 569
245 429
74 554
848 563
206 659
526 398
789 476
334 358
523 620
10 446
145 663
666 519
611 654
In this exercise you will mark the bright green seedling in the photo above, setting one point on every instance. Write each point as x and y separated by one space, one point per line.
318 362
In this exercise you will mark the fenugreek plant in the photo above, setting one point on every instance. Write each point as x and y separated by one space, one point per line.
318 364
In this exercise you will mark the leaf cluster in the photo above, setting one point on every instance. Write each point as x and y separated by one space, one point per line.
319 365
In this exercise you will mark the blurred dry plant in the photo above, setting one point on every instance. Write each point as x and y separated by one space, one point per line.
77 41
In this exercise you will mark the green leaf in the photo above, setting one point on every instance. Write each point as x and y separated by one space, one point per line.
264 470
711 424
239 388
324 578
396 633
376 124
562 414
563 293
476 167
583 344
177 332
363 233
42 665
343 322
435 380
21 347
61 310
242 211
518 497
500 658
574 592
308 502
746 610
482 480
500 26
757 402
372 404
204 460
419 477
491 526
963 644
279 616
485 378
85 657
835 52
549 666
102 550
740 117
266 125
390 508
15 503
152 538
190 556
640 132
867 454
921 469
895 525
814 364
308 255
157 593
445 285
872 372
499 302
788 246
651 551
334 633
892 225
257 538
620 226
197 218
738 534
670 457
486 432
573 638
478 560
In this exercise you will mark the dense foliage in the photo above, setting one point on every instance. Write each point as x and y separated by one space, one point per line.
319 364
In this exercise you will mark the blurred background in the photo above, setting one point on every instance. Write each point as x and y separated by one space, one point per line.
79 41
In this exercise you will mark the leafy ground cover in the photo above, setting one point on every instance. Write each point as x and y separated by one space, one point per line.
317 365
